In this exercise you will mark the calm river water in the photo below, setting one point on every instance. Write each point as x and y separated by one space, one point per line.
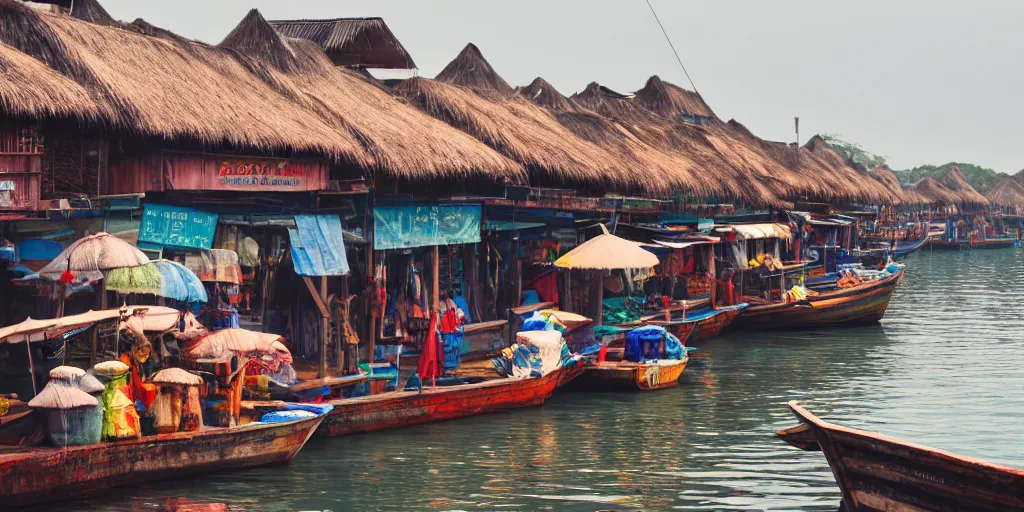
945 368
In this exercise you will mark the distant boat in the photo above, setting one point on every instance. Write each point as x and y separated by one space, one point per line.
965 245
901 251
876 472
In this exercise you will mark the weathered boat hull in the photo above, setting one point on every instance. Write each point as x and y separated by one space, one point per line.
876 472
404 408
40 474
863 305
626 376
965 245
712 326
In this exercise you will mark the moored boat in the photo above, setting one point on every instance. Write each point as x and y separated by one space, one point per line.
701 326
877 472
405 408
858 305
630 376
964 245
31 475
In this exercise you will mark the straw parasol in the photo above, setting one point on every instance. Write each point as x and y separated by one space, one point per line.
90 384
95 253
176 376
68 373
63 397
607 252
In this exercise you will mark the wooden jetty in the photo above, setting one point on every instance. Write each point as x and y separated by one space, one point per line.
881 473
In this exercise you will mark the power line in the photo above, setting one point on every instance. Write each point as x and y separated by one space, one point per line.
672 46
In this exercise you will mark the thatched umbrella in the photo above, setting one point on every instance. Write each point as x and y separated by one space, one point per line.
70 414
606 252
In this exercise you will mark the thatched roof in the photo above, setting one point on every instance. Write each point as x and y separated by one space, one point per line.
165 88
1009 192
954 180
401 140
653 172
30 88
884 175
67 373
681 142
470 69
360 42
928 191
670 100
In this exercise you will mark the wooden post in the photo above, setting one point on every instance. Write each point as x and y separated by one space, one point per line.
325 334
372 333
322 307
435 276
599 320
341 322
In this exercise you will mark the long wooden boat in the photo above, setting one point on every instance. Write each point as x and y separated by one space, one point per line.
40 474
395 409
877 472
700 326
630 376
903 250
970 245
859 305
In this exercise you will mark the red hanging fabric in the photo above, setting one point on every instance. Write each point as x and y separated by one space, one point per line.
429 366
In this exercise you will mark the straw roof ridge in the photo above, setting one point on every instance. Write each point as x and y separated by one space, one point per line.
362 42
32 89
929 191
402 140
168 88
884 175
542 93
93 12
254 36
518 129
722 172
955 181
855 185
23 29
143 27
1009 192
670 100
470 69
58 395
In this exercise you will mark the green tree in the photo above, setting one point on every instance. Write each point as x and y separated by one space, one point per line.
852 151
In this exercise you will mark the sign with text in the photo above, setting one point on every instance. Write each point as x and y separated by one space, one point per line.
212 172
177 226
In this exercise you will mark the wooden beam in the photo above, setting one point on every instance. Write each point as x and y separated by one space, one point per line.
435 283
316 296
325 333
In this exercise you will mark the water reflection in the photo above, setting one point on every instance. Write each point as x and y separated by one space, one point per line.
943 369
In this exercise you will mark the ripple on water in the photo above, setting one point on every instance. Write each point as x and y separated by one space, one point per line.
943 369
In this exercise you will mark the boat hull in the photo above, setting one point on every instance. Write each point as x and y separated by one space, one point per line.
965 245
41 474
712 326
876 472
862 305
627 376
404 408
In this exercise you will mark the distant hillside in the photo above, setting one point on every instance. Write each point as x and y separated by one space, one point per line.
852 151
981 178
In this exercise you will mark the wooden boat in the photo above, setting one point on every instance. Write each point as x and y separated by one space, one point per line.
395 409
877 472
630 376
903 250
703 325
37 474
965 245
859 305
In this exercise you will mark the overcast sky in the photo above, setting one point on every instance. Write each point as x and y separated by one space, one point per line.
913 80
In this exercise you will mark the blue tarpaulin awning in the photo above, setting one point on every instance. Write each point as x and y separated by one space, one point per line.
317 246
404 227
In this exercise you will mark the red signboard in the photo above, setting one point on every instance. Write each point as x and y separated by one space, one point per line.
218 172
